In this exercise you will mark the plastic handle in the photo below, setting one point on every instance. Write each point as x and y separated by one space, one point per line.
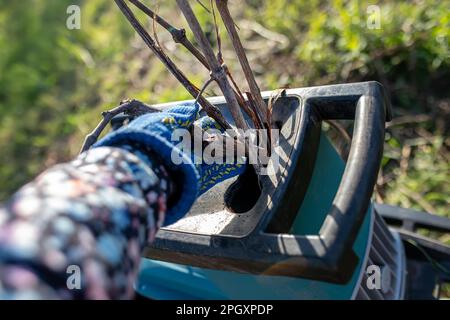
342 224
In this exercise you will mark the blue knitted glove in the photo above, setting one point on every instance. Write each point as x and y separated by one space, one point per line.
212 174
154 130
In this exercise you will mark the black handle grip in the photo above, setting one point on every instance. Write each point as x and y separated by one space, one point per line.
342 224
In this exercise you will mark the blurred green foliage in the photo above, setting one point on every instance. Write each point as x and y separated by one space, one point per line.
54 82
48 76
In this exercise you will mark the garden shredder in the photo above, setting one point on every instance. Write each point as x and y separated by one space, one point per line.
311 231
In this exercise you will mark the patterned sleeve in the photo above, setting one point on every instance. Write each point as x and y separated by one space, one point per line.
90 217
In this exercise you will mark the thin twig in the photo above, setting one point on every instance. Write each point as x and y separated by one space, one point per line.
240 52
131 107
409 119
204 7
205 85
155 34
216 27
236 89
211 110
252 113
178 35
339 128
272 100
404 160
253 108
217 70
417 198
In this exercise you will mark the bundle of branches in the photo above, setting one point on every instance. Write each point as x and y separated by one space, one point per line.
252 103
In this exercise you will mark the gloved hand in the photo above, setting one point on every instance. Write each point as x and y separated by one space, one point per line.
212 174
154 130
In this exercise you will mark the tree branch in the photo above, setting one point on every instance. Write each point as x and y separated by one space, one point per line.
240 52
178 35
131 107
211 110
217 71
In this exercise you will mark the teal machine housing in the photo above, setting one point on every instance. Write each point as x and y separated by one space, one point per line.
308 235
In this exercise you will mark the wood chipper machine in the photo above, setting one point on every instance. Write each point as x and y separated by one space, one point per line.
311 230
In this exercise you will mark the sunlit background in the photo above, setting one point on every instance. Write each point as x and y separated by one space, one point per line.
54 82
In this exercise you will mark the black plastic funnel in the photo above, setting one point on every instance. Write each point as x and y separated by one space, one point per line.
243 228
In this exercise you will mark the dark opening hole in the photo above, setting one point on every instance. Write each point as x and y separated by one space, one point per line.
242 194
278 124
